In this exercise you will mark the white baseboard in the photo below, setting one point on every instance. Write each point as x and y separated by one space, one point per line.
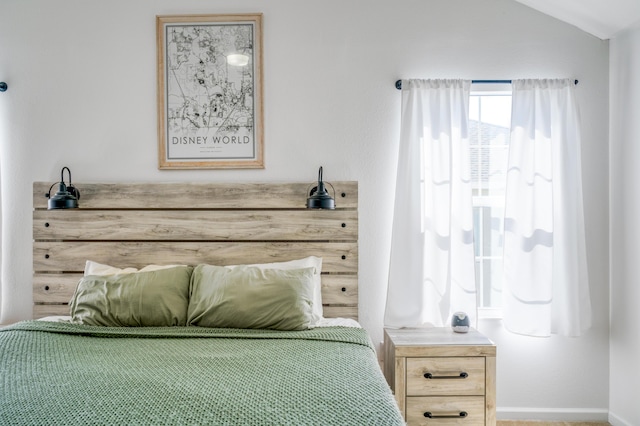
617 421
554 414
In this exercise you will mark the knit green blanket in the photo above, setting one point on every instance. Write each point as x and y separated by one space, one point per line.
67 374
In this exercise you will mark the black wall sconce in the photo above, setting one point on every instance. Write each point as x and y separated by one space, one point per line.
3 86
319 198
67 196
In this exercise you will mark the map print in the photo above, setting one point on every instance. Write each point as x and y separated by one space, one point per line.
210 99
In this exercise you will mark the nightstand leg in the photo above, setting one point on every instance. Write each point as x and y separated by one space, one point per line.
401 388
490 390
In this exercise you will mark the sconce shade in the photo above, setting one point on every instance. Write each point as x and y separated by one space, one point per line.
66 197
63 199
319 198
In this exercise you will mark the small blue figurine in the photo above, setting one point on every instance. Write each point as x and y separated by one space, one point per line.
460 322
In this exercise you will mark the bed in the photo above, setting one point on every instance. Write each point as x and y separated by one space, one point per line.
160 344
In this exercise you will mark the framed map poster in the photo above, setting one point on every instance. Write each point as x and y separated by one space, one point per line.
210 91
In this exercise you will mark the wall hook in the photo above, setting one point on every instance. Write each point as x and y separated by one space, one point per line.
3 86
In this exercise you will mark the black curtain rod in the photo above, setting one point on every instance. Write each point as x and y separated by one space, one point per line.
399 82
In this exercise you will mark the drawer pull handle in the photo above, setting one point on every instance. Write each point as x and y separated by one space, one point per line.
462 375
462 414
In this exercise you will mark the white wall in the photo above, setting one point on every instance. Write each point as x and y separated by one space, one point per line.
83 94
625 230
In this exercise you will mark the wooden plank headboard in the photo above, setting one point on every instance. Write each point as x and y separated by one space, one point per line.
136 224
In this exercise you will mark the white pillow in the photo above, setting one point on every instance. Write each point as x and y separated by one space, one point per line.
149 268
307 262
56 318
95 268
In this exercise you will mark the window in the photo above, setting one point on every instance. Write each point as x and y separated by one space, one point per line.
489 134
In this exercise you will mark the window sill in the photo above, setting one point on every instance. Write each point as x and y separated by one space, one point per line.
489 313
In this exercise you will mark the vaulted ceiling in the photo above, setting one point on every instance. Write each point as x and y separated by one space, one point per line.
602 18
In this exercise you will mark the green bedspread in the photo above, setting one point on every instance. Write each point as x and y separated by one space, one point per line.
66 374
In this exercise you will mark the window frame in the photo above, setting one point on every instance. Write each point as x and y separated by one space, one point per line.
488 89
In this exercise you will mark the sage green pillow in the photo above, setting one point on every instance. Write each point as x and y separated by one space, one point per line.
307 262
251 297
141 299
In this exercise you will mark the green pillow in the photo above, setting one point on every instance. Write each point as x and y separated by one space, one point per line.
141 299
251 297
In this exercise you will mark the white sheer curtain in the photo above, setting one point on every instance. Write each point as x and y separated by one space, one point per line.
546 288
1 218
1 226
431 271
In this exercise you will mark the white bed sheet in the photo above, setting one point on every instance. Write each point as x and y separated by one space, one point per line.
325 322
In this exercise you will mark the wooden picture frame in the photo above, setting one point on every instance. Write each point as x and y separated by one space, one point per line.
210 113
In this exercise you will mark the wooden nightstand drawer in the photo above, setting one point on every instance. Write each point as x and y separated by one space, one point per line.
463 410
445 376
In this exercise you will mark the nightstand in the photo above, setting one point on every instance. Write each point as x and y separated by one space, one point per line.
442 377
